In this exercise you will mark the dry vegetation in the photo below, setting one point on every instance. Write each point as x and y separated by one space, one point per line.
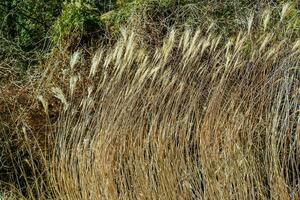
202 116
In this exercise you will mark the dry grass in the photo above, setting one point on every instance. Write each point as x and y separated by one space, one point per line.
201 117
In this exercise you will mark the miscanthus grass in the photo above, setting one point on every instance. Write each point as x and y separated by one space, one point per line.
201 117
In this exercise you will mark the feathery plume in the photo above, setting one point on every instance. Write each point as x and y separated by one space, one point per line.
58 93
74 59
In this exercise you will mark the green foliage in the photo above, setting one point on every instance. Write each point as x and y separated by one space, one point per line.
26 22
77 17
29 26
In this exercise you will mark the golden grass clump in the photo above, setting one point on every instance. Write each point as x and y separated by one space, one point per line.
201 117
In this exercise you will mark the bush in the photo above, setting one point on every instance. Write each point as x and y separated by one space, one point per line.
75 18
27 22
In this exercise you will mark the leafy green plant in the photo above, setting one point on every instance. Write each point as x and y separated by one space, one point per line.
27 22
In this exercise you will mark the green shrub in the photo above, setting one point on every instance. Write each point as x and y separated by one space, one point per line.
26 22
79 19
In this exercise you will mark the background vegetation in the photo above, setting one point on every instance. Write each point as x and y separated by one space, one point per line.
149 99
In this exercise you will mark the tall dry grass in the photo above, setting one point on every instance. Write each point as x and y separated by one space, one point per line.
202 117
